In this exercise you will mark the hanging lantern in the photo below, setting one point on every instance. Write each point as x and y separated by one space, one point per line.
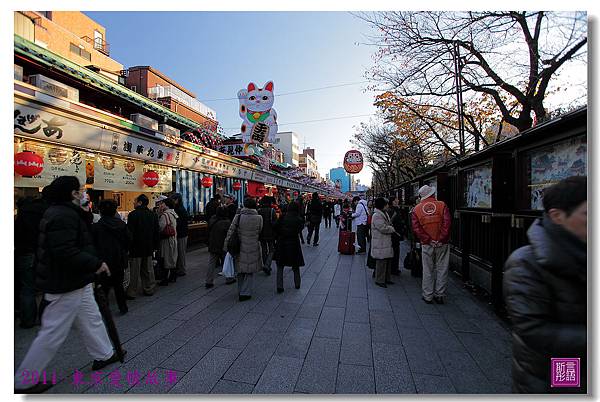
237 186
28 163
207 182
150 178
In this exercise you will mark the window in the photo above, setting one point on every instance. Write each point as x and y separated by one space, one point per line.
80 52
478 187
134 88
98 40
24 26
47 14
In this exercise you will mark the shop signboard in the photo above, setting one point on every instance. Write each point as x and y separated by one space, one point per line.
165 181
58 161
133 147
44 125
117 174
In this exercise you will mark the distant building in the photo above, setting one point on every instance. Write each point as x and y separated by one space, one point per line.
155 85
287 142
308 163
339 175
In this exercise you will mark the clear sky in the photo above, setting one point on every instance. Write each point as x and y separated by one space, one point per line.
214 54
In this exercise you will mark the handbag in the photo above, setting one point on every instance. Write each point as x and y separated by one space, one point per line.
228 267
169 230
234 243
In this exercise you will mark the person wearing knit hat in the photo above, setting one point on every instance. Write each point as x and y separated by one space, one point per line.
431 222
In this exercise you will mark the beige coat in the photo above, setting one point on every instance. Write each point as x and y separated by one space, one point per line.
250 225
381 236
168 246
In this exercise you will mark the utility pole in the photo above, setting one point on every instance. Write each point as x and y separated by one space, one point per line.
459 99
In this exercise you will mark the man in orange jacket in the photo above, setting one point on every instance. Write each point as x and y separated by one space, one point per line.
431 224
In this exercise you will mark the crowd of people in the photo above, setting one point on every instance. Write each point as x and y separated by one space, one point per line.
68 252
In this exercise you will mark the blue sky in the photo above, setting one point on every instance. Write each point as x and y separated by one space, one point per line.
214 54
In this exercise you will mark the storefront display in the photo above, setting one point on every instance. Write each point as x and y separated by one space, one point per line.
478 187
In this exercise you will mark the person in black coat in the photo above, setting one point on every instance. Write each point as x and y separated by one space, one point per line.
315 212
27 229
211 207
217 231
182 233
545 289
67 266
143 228
301 214
288 251
266 235
395 215
327 211
112 243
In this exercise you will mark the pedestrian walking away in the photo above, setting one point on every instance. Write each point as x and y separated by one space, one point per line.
360 218
397 220
431 222
267 240
315 214
381 243
27 229
337 211
248 224
66 268
217 232
167 223
182 233
142 225
327 211
302 214
288 251
545 289
112 239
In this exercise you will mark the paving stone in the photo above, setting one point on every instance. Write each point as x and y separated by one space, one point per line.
422 357
232 387
335 300
357 310
356 344
194 308
378 300
318 375
392 372
464 373
355 380
206 373
383 327
496 367
281 318
253 360
243 333
331 322
280 376
431 384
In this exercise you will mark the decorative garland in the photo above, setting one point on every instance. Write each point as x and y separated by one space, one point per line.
203 137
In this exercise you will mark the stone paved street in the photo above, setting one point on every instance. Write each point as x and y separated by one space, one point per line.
338 334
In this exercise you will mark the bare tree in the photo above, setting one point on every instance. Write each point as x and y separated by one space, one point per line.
509 56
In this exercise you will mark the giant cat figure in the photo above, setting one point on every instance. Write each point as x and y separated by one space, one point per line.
256 110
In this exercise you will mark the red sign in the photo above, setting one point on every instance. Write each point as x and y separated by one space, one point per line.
207 182
237 186
353 161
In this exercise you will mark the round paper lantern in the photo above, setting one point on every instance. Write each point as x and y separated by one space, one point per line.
28 163
237 186
150 178
207 182
353 161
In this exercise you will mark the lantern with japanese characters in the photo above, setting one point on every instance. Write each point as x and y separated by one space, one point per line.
28 163
353 161
150 178
207 182
237 186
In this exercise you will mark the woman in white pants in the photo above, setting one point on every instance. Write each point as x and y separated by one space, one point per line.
66 268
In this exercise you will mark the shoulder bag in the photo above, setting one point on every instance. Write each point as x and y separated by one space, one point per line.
234 243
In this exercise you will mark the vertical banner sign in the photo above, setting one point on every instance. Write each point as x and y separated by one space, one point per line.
58 161
256 110
353 161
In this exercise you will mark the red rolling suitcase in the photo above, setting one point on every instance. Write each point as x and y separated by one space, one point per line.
346 242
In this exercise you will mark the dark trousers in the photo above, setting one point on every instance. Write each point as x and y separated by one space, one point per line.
26 276
280 276
327 221
268 249
337 221
396 259
115 281
361 236
313 227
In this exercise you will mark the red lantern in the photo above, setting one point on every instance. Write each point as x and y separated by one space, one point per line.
207 182
150 178
237 186
28 163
